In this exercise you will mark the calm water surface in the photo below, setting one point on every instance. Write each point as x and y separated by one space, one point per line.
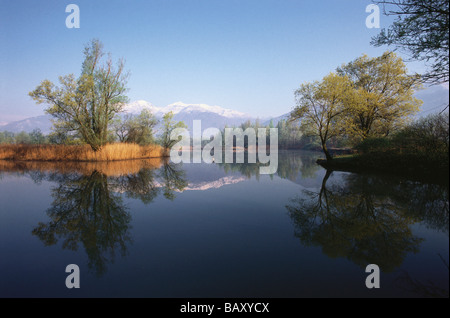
153 229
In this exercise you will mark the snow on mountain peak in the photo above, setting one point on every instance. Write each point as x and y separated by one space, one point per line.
175 107
137 106
189 108
178 107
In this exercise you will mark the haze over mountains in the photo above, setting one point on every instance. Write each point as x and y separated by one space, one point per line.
435 98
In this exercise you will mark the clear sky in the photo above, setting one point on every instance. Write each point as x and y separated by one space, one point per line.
247 55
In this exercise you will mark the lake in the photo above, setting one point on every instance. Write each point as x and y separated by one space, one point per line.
149 228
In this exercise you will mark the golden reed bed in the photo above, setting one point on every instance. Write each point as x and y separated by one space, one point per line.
110 152
108 168
112 160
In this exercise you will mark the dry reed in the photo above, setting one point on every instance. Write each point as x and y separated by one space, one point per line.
109 168
110 152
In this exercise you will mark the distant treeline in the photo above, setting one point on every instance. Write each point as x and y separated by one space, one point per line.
134 129
35 137
426 135
290 136
140 129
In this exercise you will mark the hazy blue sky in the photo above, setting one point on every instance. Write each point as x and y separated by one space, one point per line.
248 55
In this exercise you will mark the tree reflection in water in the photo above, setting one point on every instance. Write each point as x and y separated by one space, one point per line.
147 184
367 219
173 180
291 165
364 218
88 209
422 289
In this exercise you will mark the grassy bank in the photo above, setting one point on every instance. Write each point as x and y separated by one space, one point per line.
110 152
418 151
412 166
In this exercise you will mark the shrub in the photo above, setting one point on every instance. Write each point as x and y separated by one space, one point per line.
374 144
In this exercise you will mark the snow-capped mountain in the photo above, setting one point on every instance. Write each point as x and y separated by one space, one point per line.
211 116
180 107
139 105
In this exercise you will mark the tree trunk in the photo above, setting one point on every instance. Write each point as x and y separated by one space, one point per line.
95 147
326 152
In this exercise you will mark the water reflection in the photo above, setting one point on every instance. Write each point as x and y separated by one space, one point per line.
368 219
291 165
420 288
173 180
363 218
86 212
147 183
88 208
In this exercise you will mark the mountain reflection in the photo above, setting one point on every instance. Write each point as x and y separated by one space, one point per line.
88 208
368 219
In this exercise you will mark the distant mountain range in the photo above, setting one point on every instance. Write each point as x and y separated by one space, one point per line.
42 122
435 98
211 116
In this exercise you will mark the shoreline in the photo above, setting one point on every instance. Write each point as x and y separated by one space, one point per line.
404 166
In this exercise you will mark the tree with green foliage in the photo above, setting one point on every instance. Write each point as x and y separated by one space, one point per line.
290 135
22 138
321 106
383 95
427 137
37 137
87 104
6 137
168 125
135 128
421 30
58 137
